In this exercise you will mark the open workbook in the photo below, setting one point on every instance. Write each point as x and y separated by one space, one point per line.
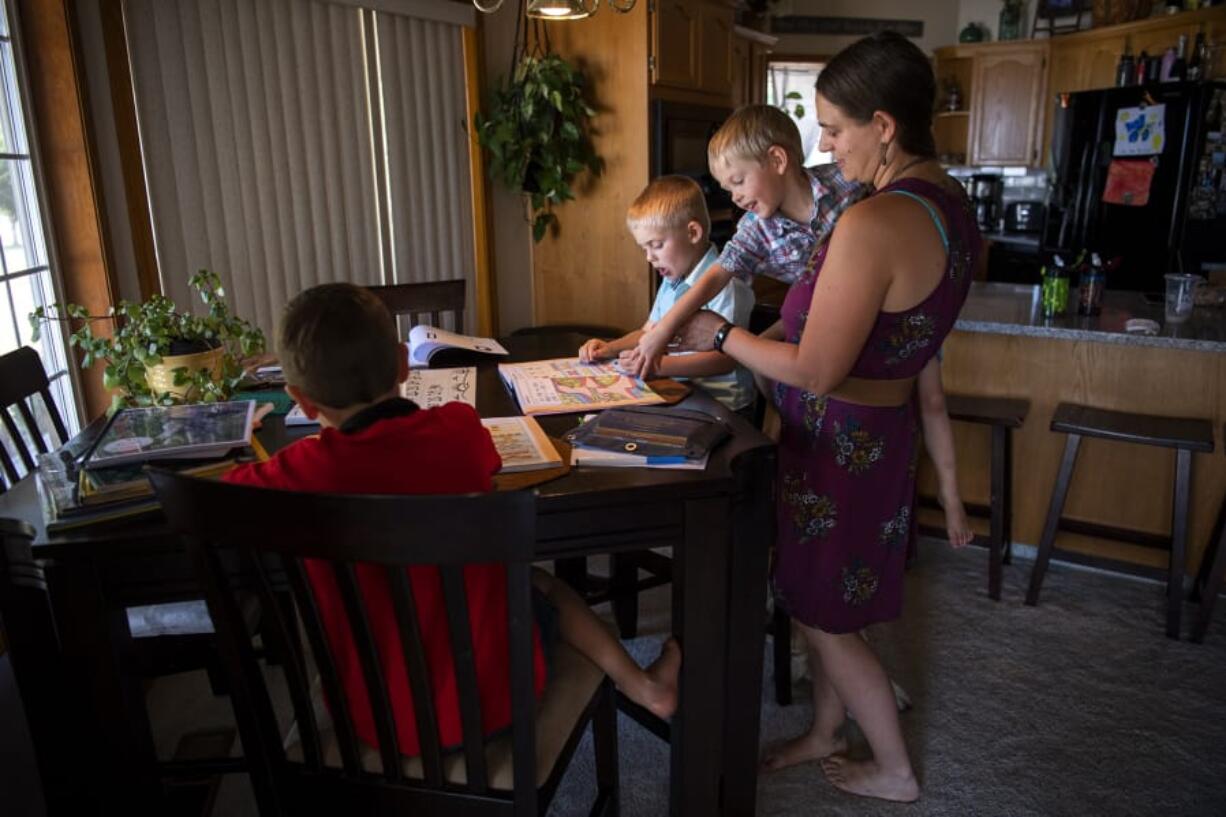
522 444
428 344
565 385
425 387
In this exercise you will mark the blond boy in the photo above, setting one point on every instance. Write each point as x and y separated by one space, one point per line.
669 221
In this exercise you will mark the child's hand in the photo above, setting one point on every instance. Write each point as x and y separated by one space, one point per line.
594 349
651 347
631 362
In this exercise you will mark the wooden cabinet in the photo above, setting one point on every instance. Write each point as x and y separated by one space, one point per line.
692 48
1006 111
1001 86
750 52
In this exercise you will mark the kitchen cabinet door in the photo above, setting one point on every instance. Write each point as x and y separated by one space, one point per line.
1006 106
675 43
715 49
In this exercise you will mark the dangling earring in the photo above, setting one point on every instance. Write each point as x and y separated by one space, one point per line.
885 146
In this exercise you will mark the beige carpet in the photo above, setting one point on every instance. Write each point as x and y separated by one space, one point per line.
1077 707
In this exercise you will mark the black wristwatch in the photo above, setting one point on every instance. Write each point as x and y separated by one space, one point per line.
721 335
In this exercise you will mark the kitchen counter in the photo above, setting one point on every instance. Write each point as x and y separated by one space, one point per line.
1002 347
1011 309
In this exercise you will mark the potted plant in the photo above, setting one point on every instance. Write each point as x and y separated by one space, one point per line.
536 133
159 355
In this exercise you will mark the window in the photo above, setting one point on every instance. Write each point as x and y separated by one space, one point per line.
25 271
783 78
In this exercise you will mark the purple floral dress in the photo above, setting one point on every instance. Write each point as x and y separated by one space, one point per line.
847 472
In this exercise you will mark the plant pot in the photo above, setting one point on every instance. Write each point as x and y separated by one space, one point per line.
161 378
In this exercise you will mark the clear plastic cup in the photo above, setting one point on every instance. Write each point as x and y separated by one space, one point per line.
1180 289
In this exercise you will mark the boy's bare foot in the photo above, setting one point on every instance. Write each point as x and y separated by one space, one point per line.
660 691
957 526
867 779
809 746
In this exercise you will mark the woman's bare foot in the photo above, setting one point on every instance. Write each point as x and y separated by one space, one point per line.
957 526
867 779
659 691
809 746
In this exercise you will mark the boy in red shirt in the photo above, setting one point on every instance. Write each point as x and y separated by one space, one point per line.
343 364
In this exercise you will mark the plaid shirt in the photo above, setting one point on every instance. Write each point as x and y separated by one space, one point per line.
780 247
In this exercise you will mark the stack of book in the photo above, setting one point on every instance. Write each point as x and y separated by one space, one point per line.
99 475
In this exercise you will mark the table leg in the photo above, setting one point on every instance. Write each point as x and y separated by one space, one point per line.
119 742
700 579
753 533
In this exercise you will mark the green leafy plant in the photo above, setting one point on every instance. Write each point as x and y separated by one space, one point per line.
146 332
797 110
536 132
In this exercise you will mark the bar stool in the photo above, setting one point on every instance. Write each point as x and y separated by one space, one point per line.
1185 435
1002 415
1212 571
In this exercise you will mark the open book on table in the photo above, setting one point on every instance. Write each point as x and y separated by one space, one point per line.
522 444
425 387
428 344
565 385
196 431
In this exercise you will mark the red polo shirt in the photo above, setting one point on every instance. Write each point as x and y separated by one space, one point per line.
396 448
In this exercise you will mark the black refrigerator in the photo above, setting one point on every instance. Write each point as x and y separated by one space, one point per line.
1169 216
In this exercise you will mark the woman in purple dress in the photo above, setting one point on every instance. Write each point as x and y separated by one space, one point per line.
857 330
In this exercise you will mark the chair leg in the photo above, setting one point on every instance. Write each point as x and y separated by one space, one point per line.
1213 578
1205 573
573 571
1179 541
781 626
1006 505
1054 510
623 589
604 742
996 534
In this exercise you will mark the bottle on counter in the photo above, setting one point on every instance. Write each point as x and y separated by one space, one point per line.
1090 287
1153 70
1142 67
1055 288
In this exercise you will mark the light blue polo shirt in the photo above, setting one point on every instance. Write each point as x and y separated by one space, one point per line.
735 301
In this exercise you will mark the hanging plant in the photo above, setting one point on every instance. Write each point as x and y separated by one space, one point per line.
536 133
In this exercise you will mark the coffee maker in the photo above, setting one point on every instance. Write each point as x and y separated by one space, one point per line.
985 191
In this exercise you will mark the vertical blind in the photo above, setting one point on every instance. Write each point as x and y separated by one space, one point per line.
288 143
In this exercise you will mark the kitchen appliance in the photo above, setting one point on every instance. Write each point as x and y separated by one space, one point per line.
679 136
985 189
1024 216
1174 221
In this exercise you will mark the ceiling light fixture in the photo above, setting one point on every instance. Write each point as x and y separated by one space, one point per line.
558 9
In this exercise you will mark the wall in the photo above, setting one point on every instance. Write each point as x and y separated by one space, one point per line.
940 22
511 242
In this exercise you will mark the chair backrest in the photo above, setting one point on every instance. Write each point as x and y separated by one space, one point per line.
253 539
429 299
21 378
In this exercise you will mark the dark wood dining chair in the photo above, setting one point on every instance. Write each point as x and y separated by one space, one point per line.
428 299
22 380
326 769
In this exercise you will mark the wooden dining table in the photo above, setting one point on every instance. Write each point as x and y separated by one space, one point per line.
719 523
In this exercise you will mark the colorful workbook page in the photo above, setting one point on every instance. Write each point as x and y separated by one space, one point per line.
522 444
565 385
427 342
195 431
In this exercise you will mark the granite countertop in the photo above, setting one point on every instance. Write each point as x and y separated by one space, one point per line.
1012 309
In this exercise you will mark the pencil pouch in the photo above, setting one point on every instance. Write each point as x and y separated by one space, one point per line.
651 432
